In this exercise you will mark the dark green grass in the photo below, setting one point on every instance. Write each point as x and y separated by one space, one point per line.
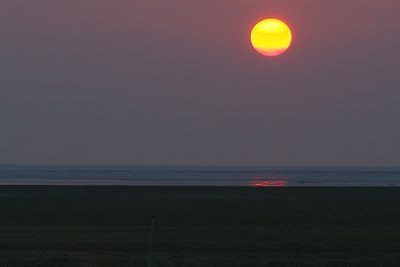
199 226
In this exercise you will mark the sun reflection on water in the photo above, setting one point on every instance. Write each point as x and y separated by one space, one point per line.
259 181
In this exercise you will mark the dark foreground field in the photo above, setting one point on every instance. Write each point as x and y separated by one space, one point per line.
109 226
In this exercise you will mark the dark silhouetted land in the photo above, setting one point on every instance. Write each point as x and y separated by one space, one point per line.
199 226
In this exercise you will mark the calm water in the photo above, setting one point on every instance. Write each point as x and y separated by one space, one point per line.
198 176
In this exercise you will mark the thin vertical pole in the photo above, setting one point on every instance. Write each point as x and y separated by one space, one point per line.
5 259
151 242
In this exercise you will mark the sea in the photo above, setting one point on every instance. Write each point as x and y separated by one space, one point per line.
200 176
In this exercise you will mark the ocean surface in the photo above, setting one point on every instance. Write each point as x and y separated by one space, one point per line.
198 176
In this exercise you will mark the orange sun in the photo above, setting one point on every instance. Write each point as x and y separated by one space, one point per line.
271 37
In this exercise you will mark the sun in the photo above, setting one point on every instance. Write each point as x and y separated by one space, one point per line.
271 37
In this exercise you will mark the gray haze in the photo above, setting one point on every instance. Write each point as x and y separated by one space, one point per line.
177 82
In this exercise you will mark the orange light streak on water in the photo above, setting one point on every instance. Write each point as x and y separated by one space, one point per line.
278 182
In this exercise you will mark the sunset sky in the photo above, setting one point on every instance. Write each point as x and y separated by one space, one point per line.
178 82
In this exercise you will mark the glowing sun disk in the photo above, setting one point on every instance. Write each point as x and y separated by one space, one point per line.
271 37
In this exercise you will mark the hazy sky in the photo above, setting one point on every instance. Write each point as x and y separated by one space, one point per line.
177 82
